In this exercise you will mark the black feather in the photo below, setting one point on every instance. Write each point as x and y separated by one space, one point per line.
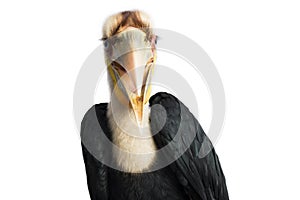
202 177
191 176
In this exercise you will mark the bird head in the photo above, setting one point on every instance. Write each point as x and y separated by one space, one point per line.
130 54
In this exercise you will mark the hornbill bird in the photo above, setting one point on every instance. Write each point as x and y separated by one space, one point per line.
128 123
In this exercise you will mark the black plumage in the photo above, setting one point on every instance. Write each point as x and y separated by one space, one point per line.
191 176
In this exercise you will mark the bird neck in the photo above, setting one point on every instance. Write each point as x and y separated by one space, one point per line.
136 147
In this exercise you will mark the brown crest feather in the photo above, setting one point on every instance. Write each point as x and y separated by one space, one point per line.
120 21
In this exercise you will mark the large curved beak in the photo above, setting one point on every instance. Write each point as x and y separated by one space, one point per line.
132 64
134 72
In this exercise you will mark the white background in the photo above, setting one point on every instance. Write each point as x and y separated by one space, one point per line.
254 44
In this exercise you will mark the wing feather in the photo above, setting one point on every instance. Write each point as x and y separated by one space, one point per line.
198 169
93 150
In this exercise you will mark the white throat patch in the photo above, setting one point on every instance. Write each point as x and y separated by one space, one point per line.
138 145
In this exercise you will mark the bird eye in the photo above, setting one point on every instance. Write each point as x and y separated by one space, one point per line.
106 44
153 39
